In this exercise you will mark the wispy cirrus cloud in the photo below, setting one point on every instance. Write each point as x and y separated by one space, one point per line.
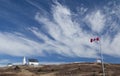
96 21
16 45
68 38
68 33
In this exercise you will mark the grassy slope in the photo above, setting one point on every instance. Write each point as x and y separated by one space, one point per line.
74 69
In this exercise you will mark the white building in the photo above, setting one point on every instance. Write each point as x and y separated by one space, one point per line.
9 64
34 62
24 61
98 60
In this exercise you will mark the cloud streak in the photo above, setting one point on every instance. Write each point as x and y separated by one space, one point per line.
74 40
68 38
15 45
96 20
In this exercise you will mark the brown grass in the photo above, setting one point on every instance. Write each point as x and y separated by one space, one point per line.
75 69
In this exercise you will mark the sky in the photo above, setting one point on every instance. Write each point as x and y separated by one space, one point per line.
59 31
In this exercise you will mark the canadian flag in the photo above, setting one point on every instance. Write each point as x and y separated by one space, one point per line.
94 39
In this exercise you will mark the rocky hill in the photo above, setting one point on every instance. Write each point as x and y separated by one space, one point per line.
73 69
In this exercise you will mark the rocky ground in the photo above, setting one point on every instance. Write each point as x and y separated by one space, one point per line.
73 69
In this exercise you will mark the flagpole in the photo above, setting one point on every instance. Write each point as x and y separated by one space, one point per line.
102 61
100 52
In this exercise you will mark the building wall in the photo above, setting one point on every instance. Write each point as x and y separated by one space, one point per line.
33 63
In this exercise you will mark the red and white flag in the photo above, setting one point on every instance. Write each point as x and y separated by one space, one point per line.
94 39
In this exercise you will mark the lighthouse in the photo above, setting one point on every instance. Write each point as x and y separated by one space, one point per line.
24 60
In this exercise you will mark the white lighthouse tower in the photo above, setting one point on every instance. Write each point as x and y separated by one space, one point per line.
24 60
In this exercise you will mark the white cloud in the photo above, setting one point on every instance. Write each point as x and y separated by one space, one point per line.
62 16
82 10
14 45
111 48
70 39
96 20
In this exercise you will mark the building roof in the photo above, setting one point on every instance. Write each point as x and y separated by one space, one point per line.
33 60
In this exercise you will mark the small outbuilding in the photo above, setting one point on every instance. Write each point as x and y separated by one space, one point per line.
98 60
9 64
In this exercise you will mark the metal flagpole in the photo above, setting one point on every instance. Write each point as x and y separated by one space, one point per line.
102 61
100 51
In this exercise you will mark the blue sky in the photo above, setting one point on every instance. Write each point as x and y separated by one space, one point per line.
59 30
